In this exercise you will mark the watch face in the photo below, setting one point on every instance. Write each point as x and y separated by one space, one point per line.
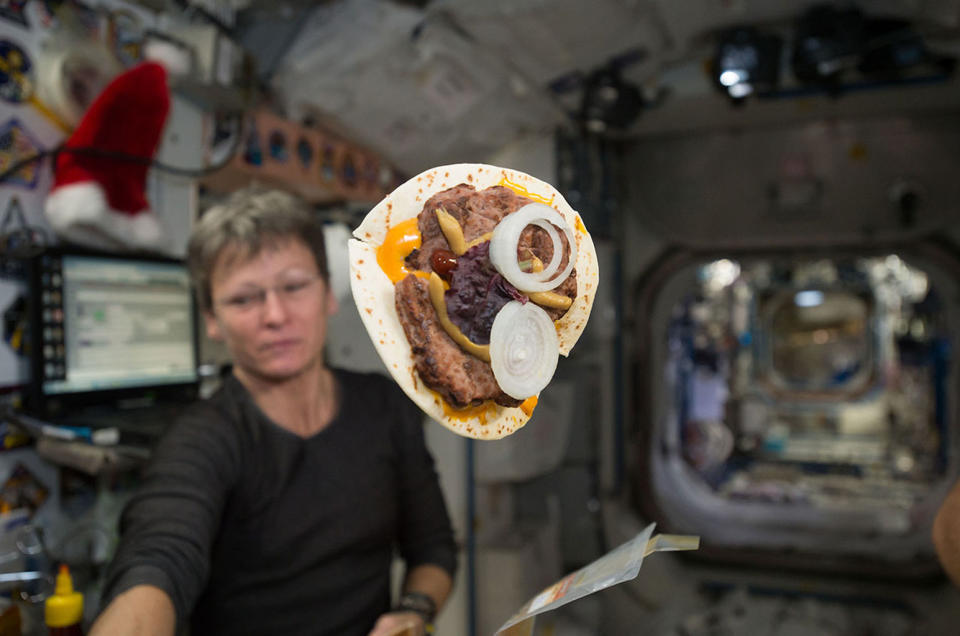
422 604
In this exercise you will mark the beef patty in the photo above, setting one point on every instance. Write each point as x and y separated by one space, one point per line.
460 378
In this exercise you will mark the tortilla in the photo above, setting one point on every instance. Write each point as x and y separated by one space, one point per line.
373 292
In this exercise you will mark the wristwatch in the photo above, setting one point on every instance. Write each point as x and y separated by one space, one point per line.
420 603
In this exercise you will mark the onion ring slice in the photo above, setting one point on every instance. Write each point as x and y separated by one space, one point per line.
506 236
523 349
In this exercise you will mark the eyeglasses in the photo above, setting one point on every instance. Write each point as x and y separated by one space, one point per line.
255 299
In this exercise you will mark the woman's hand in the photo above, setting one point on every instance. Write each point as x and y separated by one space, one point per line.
143 610
399 624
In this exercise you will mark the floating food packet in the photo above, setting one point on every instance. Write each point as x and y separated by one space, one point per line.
619 565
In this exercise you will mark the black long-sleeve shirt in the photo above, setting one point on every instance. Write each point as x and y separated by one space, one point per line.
251 529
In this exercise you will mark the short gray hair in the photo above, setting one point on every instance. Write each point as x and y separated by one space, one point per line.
248 221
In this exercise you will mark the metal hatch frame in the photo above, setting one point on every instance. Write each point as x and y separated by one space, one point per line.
909 557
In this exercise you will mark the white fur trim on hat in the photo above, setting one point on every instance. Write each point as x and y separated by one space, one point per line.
79 211
175 59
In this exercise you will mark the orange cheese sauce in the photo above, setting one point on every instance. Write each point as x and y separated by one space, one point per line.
519 189
401 239
528 405
479 412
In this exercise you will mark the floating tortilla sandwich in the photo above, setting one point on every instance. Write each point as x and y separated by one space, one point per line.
471 280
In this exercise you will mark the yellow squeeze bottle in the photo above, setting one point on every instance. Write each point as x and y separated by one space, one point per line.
63 612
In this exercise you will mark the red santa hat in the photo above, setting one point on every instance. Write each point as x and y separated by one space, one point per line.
100 201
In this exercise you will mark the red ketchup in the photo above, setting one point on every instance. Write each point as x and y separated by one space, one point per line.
443 263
